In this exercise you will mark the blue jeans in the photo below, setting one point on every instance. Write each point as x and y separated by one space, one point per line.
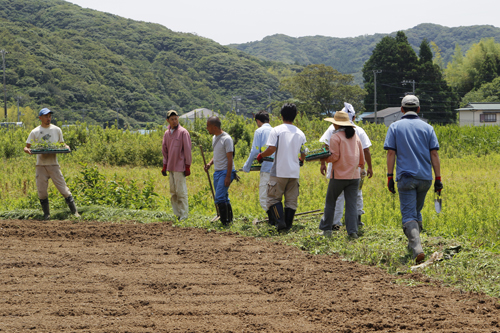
412 194
221 195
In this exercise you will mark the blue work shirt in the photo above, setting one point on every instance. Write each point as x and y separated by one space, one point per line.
258 146
412 139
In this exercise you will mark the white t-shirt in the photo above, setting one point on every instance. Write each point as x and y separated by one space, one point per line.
288 141
365 141
40 134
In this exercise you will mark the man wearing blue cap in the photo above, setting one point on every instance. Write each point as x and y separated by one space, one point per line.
47 166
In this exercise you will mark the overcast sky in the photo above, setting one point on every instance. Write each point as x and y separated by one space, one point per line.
229 22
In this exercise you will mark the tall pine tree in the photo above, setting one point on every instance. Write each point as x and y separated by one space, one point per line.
433 91
399 64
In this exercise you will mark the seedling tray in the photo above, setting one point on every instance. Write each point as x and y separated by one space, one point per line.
255 168
50 151
318 154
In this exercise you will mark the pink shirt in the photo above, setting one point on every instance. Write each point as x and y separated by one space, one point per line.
176 149
347 156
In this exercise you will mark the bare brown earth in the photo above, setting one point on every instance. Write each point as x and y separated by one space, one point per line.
97 277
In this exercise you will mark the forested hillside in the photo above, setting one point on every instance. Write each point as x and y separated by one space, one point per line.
348 55
85 63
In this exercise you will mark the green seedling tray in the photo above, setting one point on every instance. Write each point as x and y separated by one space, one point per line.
318 154
50 151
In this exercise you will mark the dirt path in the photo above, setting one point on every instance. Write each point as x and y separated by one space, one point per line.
92 277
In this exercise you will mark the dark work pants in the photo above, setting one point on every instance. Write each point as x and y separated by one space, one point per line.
335 187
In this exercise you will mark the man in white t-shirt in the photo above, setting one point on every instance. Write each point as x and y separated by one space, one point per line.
366 144
47 166
286 141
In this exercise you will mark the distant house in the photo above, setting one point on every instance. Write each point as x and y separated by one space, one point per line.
199 113
479 114
11 124
386 116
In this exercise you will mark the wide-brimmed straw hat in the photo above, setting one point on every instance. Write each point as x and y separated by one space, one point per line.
341 118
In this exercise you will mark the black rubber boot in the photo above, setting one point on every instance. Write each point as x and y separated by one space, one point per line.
45 208
224 213
289 215
278 216
71 204
360 224
270 218
411 231
230 212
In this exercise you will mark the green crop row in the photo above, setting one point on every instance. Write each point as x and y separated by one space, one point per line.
112 146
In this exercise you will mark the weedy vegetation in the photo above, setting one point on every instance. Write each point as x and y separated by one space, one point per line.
114 175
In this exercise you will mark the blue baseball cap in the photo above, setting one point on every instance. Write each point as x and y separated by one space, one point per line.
44 111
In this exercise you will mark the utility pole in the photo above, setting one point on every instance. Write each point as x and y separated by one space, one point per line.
83 115
269 91
117 109
3 52
404 82
375 72
237 98
18 113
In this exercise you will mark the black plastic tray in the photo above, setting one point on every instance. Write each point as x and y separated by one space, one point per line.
33 151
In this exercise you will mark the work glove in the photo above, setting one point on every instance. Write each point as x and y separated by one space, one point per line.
187 172
390 184
301 163
260 158
164 170
438 185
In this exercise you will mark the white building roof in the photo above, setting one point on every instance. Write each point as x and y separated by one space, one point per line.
199 113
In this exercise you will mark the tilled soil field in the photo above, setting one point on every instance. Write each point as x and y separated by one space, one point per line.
61 276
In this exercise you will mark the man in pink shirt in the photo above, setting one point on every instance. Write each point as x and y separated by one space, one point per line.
176 149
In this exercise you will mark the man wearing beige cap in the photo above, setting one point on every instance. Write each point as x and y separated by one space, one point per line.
176 149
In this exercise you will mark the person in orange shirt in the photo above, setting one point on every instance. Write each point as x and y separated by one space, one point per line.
346 157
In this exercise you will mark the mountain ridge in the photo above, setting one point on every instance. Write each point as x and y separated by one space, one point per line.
348 54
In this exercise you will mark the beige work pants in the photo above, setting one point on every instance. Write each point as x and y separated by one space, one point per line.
277 187
179 194
264 179
46 172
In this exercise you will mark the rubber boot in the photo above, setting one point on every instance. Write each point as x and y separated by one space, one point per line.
224 213
360 224
230 212
71 204
327 233
289 215
278 216
270 218
45 208
411 231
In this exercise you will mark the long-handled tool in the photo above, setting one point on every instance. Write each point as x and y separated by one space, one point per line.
211 187
255 222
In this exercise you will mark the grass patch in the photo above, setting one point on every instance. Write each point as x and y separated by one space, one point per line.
91 213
